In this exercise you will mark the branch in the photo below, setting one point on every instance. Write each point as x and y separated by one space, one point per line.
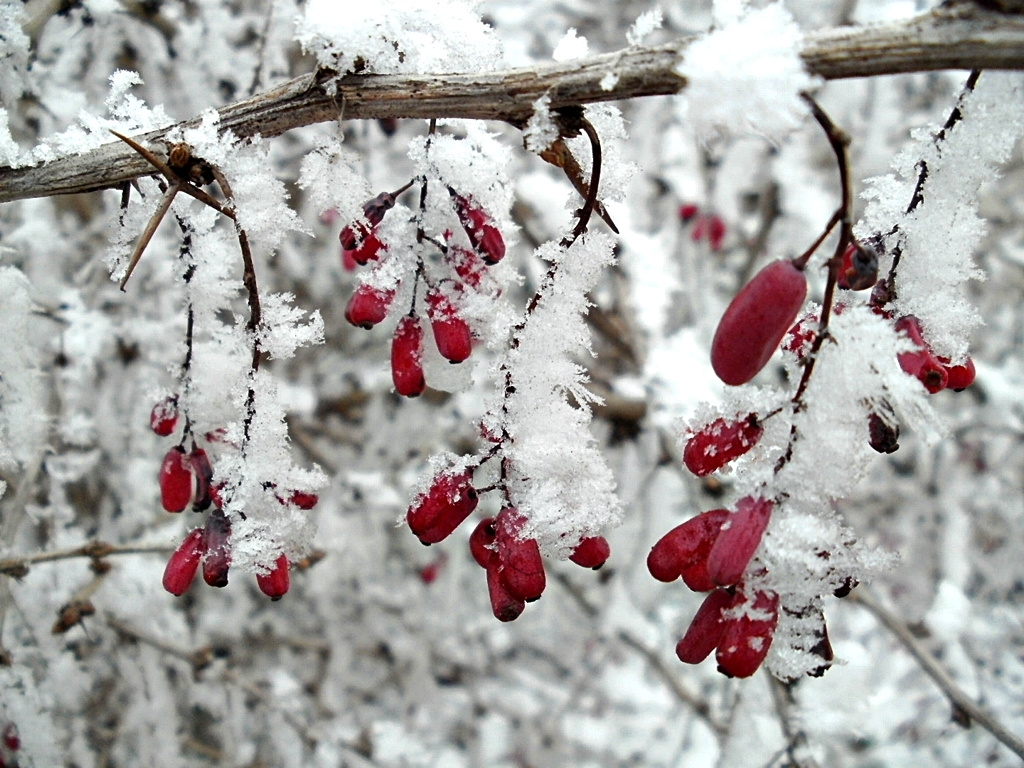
961 37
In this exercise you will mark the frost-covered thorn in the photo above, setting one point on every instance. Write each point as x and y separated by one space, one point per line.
217 541
738 540
184 563
164 416
407 357
368 306
275 584
592 552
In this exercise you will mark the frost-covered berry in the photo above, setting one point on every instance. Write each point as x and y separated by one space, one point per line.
366 245
720 442
184 563
921 363
706 629
164 417
747 639
217 539
467 265
353 235
686 545
407 357
448 501
368 306
452 336
738 540
756 320
800 337
275 584
858 270
505 605
485 237
176 480
960 377
303 500
591 552
481 542
520 562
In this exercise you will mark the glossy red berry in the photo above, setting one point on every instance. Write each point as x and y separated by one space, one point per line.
434 515
217 538
184 563
520 563
481 542
921 363
747 639
756 320
592 552
738 540
407 357
452 336
164 417
686 545
688 211
485 237
706 630
368 306
505 605
720 442
275 584
960 377
303 500
177 483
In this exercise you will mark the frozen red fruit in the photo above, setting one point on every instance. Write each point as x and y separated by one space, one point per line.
485 237
184 563
430 571
687 211
747 639
452 336
685 545
716 232
373 213
367 247
203 474
883 436
738 540
960 377
434 515
697 577
505 605
348 263
275 584
706 629
756 320
799 338
11 738
164 417
591 552
368 306
921 363
520 563
716 444
467 265
176 480
481 542
407 357
304 500
217 561
858 270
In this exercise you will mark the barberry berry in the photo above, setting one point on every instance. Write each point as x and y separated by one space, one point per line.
921 363
275 584
685 546
481 542
960 377
706 629
519 560
452 336
177 482
883 436
688 211
184 563
720 442
407 357
202 471
164 416
746 639
858 269
738 540
592 552
485 237
434 515
217 539
368 306
505 605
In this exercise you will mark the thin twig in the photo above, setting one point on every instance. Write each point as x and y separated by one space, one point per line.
960 700
18 565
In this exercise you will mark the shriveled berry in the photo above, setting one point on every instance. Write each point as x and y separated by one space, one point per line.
184 563
747 639
858 270
592 552
177 483
756 320
921 363
485 237
883 436
435 514
481 542
520 563
202 471
706 629
685 545
217 561
452 336
368 306
738 540
407 357
960 377
720 442
164 417
505 605
275 584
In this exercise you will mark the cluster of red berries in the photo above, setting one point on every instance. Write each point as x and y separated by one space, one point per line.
10 744
711 553
369 305
186 478
705 225
514 565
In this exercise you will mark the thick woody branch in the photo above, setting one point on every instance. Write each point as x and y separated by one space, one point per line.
961 36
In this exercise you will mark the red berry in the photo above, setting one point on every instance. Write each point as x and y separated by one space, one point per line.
687 211
217 538
799 338
591 552
407 357
519 560
481 542
467 265
348 263
706 629
11 738
176 480
203 474
304 500
164 417
368 306
960 377
505 605
697 577
921 363
716 444
738 540
485 237
276 583
184 563
882 436
435 514
859 268
430 571
452 336
756 320
685 545
366 246
716 232
747 639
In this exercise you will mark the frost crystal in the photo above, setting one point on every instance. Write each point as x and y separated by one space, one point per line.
540 132
644 25
747 76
